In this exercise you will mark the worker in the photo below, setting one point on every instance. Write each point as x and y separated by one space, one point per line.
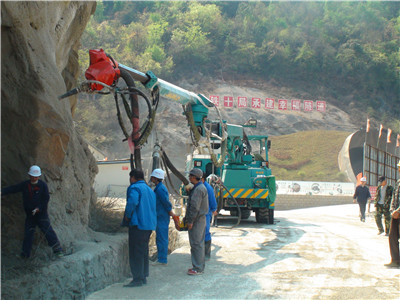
35 196
195 218
140 212
394 233
382 205
212 210
362 195
164 211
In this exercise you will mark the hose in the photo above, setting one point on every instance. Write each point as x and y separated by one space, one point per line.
170 185
189 117
172 168
218 183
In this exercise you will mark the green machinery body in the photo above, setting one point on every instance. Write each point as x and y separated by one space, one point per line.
247 179
246 176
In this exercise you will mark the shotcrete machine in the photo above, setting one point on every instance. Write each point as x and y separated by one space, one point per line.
239 173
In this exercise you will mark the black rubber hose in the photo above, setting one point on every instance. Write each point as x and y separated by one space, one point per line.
120 121
173 169
170 185
134 102
237 205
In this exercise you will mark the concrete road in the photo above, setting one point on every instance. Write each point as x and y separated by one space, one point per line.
313 253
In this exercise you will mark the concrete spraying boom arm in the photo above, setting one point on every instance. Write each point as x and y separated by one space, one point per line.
104 73
166 89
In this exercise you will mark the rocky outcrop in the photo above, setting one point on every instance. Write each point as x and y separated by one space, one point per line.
40 41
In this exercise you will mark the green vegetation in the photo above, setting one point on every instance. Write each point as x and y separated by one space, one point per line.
344 51
307 155
334 49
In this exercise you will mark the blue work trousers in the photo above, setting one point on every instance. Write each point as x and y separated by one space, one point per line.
43 222
139 253
208 223
162 239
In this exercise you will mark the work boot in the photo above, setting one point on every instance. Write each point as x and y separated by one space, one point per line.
393 264
194 272
133 283
59 253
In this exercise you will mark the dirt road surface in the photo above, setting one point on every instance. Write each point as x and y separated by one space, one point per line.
314 253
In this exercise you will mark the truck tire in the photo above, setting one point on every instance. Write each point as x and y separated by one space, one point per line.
245 213
271 216
265 215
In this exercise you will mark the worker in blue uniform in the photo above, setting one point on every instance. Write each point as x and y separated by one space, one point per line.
164 211
140 212
35 195
212 210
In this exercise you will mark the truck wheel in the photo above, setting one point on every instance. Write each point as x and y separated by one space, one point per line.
265 215
245 213
271 216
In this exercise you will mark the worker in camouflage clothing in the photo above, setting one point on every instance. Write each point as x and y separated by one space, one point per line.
383 199
394 233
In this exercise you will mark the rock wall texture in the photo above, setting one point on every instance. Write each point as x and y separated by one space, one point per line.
39 47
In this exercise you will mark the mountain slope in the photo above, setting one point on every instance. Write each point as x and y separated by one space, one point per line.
307 155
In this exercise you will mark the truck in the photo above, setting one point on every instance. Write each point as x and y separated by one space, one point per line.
235 163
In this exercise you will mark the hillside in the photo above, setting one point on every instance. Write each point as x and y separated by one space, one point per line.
344 51
302 142
307 155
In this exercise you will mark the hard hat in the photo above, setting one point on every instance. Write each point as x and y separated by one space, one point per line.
196 172
363 179
398 164
158 173
35 171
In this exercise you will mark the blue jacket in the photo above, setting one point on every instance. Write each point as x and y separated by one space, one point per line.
33 195
162 201
212 203
141 206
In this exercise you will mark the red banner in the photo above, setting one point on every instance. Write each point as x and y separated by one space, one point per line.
256 102
269 103
308 105
321 106
228 101
372 191
388 135
282 104
214 99
296 105
242 101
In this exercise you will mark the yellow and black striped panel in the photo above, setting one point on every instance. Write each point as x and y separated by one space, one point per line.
246 193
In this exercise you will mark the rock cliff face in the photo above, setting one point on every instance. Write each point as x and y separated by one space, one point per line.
39 62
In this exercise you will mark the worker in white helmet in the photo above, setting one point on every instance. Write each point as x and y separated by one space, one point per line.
35 196
362 195
394 233
164 211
